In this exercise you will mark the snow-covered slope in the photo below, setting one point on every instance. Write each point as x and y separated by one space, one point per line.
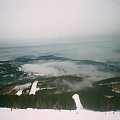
42 114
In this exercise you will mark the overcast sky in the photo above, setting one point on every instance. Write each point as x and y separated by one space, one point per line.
52 20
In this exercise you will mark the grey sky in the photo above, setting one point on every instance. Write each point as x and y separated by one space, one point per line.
45 20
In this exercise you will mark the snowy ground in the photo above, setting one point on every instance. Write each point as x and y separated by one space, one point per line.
42 114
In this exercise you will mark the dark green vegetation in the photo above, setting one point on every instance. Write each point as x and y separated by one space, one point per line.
40 101
96 99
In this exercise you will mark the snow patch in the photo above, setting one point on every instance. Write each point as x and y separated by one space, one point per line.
34 88
27 91
20 69
116 91
49 88
77 101
109 96
22 87
19 93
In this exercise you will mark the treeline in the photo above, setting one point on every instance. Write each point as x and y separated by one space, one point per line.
40 101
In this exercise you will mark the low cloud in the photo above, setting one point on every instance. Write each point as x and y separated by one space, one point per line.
88 73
